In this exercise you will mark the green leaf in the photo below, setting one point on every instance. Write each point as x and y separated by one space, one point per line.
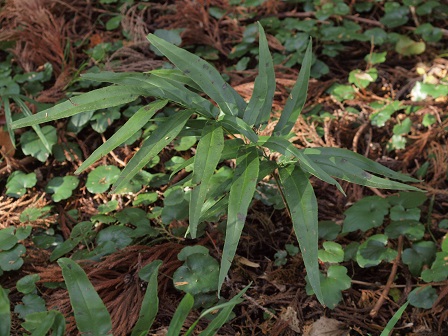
393 321
383 112
376 58
117 237
239 126
161 137
203 74
33 145
18 182
113 23
199 274
102 119
438 270
343 92
175 76
359 161
429 120
36 128
208 154
5 313
395 16
150 304
332 285
411 229
427 7
408 200
223 315
23 232
31 214
8 119
61 187
332 252
344 169
362 79
27 284
136 122
297 97
159 87
108 207
259 108
302 205
91 315
399 213
175 204
286 148
81 232
171 36
350 251
40 323
101 178
241 194
11 260
180 315
328 230
365 214
373 251
423 297
429 32
420 254
7 238
403 127
32 303
408 47
91 101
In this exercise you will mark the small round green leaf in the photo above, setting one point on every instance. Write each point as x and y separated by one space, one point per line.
11 260
33 145
408 47
438 270
408 200
190 250
328 230
350 251
18 182
365 214
199 274
420 254
108 207
7 238
332 285
27 284
395 16
373 251
423 297
100 179
61 187
413 230
32 303
332 253
376 58
362 79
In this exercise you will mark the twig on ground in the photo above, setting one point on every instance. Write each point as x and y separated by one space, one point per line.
390 281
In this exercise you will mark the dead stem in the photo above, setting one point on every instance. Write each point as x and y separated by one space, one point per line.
390 281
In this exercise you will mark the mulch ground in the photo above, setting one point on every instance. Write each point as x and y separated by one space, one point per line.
276 303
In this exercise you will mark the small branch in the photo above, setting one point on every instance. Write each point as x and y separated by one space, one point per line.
358 135
255 303
390 281
364 20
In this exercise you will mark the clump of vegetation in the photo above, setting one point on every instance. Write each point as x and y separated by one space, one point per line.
193 159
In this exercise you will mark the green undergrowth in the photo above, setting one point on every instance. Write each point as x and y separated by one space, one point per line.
222 162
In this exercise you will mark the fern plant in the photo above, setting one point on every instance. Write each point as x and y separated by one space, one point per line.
229 129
